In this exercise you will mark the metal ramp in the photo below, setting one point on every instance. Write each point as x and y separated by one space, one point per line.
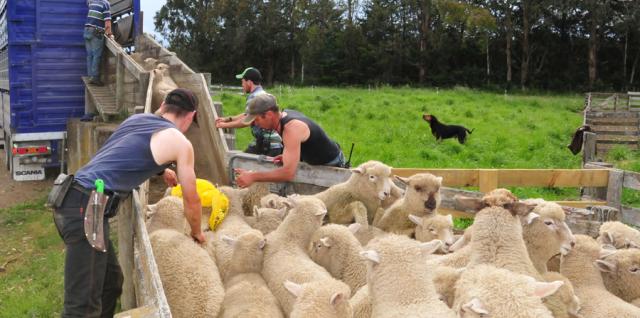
100 98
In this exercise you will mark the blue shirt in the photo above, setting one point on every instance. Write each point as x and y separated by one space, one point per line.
99 11
256 91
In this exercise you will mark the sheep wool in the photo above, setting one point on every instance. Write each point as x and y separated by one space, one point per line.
621 274
189 277
320 299
168 213
421 198
411 294
335 248
370 183
488 291
619 235
266 220
566 293
361 303
582 266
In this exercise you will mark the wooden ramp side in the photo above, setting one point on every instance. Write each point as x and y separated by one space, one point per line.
614 128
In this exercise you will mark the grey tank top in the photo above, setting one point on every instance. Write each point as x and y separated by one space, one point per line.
125 160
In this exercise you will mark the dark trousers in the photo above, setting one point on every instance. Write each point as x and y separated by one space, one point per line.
92 279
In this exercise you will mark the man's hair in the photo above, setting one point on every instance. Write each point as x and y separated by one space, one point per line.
173 109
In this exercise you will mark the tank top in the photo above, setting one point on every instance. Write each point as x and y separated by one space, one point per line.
125 159
318 149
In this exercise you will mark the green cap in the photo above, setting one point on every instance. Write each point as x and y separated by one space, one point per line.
259 105
252 74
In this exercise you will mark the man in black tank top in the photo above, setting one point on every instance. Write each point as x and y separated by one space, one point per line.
303 140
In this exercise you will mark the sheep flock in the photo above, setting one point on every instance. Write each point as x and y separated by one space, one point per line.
368 248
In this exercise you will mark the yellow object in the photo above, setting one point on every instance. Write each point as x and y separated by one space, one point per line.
210 196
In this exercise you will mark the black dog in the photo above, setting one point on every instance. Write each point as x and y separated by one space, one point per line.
442 131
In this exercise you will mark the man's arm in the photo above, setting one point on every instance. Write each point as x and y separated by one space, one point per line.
232 122
294 135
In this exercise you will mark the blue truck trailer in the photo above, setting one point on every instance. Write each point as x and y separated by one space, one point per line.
42 61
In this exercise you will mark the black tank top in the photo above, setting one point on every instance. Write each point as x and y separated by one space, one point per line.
318 149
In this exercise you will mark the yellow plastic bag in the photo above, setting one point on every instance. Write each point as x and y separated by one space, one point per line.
210 196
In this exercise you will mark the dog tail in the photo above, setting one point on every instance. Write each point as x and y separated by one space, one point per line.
470 131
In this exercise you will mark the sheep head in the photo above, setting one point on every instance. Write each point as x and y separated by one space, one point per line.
547 227
248 251
437 227
422 192
372 177
495 198
327 298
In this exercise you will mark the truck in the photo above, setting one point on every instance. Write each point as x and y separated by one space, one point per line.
42 61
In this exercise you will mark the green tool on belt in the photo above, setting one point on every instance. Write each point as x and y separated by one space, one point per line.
94 217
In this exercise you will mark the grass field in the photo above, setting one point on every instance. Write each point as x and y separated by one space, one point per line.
510 131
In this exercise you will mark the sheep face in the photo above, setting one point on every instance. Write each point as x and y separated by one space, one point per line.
547 222
374 177
422 192
487 291
437 227
585 251
320 299
248 251
305 217
618 235
622 268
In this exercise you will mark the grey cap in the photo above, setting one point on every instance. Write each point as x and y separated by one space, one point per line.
259 105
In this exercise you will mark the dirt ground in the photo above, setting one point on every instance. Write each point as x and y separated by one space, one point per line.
15 192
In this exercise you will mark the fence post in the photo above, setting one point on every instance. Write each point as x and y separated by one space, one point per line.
487 179
614 189
125 254
588 147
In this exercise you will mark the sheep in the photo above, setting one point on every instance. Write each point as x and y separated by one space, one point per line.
361 229
162 84
566 293
546 233
619 235
400 285
335 248
497 238
275 201
436 227
285 256
370 183
149 64
444 279
168 213
395 194
621 274
321 299
463 240
361 303
252 195
189 277
422 197
486 290
247 294
266 220
583 266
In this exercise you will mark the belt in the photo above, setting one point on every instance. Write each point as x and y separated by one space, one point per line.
79 187
115 198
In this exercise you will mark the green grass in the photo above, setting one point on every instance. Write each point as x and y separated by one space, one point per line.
31 252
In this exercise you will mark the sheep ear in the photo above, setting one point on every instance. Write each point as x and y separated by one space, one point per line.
255 211
520 208
606 252
429 247
354 227
458 244
262 243
404 181
229 240
358 170
293 288
607 238
151 210
325 241
415 219
271 203
321 213
531 217
282 213
287 204
632 244
336 299
439 180
544 289
476 306
371 255
450 218
604 266
463 203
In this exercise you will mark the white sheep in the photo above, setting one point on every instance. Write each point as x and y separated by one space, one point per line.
335 248
285 256
266 220
162 84
400 285
275 201
621 274
619 235
247 294
168 213
583 266
321 299
361 303
488 291
436 227
370 183
546 233
189 276
421 198
444 279
361 228
566 293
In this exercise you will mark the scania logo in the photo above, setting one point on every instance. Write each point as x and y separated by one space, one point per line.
28 173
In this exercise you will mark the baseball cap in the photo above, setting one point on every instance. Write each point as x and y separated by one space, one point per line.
252 74
259 105
183 98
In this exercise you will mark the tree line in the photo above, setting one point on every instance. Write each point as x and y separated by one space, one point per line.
511 44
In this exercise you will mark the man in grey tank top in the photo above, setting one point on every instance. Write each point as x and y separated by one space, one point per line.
142 146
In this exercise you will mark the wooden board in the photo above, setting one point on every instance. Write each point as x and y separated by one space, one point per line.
612 121
618 138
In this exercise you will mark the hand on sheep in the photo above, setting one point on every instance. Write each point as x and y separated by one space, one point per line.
170 178
244 178
199 237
